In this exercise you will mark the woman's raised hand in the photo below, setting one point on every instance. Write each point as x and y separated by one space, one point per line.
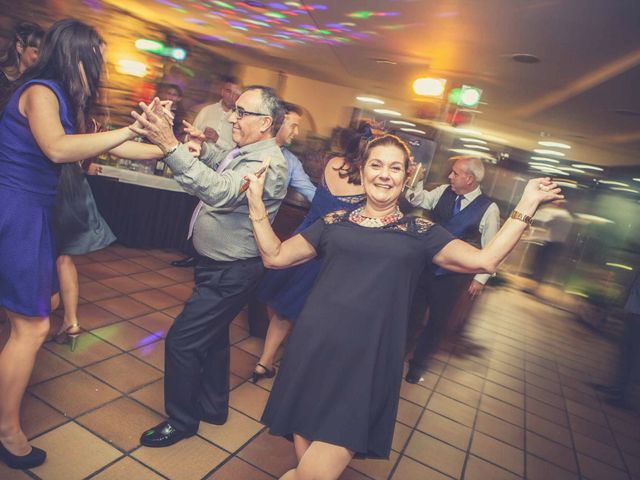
541 190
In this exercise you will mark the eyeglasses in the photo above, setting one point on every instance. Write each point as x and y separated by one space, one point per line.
241 112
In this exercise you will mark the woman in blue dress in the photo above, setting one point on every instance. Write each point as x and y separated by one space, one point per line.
41 128
285 291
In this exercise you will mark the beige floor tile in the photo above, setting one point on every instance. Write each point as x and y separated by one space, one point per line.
173 312
452 409
156 299
242 319
242 363
464 378
75 393
546 411
153 279
592 430
125 372
598 450
125 284
351 474
181 291
249 399
374 468
233 434
408 413
152 263
408 469
502 410
504 394
157 323
89 349
445 429
237 334
458 392
178 275
236 469
272 454
152 353
72 453
252 345
538 469
93 291
152 396
479 469
500 429
37 417
549 430
92 316
48 365
593 469
120 422
125 267
551 451
436 454
401 434
127 469
415 393
124 307
125 335
235 380
96 271
190 459
497 452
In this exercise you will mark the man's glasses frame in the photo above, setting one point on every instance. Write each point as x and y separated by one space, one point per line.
241 112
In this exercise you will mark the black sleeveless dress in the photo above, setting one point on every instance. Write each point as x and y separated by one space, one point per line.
340 378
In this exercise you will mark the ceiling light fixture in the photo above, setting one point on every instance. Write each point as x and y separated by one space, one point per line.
377 101
622 189
429 87
544 159
402 122
636 179
473 140
588 167
477 147
468 131
384 61
413 130
390 113
548 152
614 182
525 58
555 145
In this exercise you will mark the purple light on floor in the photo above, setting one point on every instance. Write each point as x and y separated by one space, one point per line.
319 7
253 3
308 27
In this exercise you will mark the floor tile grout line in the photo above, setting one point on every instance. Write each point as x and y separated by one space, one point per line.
615 439
473 432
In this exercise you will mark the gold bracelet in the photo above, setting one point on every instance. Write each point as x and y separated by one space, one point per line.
517 215
258 219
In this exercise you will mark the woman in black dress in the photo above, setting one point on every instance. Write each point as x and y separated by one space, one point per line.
339 383
20 54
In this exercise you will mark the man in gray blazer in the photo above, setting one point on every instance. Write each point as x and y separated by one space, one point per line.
229 268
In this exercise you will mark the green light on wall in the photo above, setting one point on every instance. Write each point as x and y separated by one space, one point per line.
465 96
275 15
361 14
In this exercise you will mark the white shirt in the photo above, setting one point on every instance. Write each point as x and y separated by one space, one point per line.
489 223
215 117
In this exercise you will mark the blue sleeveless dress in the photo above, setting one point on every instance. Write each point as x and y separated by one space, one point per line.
286 291
28 181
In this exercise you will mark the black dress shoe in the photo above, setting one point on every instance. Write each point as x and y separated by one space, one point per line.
32 459
414 375
185 262
163 435
256 376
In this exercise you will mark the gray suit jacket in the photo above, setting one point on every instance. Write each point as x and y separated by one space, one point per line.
222 230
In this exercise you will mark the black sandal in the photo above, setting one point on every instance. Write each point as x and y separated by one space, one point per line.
266 374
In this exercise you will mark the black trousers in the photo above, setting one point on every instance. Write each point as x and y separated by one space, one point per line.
196 382
629 363
441 294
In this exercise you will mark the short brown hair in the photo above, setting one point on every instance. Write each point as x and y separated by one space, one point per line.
387 140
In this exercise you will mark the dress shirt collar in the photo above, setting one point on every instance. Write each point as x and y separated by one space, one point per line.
257 146
472 195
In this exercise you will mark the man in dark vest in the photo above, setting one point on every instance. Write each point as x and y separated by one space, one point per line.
467 213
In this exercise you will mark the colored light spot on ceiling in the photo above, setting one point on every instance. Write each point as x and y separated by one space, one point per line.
324 32
293 4
362 14
224 4
275 15
196 21
277 6
254 4
258 22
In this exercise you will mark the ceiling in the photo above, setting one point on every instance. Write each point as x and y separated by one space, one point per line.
588 73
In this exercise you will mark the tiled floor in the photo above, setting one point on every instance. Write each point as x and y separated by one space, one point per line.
511 402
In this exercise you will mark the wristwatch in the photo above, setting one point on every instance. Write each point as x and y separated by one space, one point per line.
517 215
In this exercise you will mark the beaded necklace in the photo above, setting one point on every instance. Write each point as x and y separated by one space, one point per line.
357 217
